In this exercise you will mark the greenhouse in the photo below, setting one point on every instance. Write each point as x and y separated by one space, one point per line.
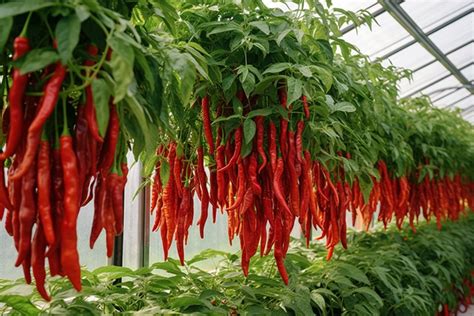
237 157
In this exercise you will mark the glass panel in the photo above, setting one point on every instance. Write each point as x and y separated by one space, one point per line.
377 42
462 56
455 34
443 102
89 258
469 72
464 104
422 77
410 58
438 88
431 13
355 5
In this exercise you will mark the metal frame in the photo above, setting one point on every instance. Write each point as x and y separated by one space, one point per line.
434 30
447 54
468 111
419 36
468 86
453 90
459 100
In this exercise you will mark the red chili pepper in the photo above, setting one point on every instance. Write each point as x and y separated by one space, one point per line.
299 141
27 213
238 146
16 95
207 124
260 139
292 175
241 188
277 187
272 146
205 194
54 251
108 216
252 172
113 132
305 106
38 261
90 113
46 107
97 223
4 199
69 254
182 210
117 198
44 191
81 145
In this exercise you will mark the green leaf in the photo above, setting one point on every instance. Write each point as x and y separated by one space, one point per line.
318 299
121 63
82 12
205 255
249 130
353 272
101 95
276 68
282 35
260 112
342 107
6 24
35 60
19 7
370 294
249 84
67 36
295 89
305 71
262 26
228 27
164 172
19 303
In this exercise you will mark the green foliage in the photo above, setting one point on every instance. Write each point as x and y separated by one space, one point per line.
382 273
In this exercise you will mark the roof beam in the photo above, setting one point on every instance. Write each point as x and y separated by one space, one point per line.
468 86
411 27
453 90
447 54
434 30
468 110
375 14
457 101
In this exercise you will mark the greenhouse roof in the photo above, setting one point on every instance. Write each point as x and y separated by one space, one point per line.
433 38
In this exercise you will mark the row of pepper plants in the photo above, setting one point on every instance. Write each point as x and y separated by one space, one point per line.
383 272
266 115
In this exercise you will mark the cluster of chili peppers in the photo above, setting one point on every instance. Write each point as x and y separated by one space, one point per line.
464 298
50 176
264 191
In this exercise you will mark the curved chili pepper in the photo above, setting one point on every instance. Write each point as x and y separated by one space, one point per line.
81 142
277 186
38 260
27 214
4 199
97 224
207 124
252 172
272 146
259 120
305 106
108 216
236 155
204 193
46 107
44 191
90 112
113 131
54 251
69 254
15 98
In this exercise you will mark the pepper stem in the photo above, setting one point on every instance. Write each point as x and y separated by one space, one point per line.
65 127
25 26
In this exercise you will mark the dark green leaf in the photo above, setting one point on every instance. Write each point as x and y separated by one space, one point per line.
67 36
6 26
121 64
249 130
277 68
19 303
36 59
101 94
19 7
295 89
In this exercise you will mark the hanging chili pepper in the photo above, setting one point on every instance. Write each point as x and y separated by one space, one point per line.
38 261
259 120
113 132
206 119
90 112
305 106
69 255
46 107
44 190
205 194
236 155
15 99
